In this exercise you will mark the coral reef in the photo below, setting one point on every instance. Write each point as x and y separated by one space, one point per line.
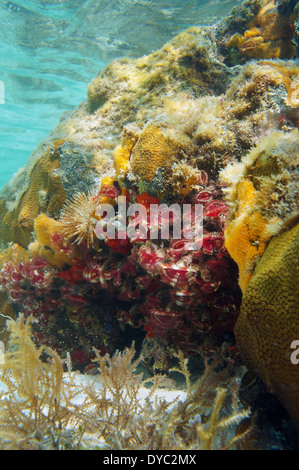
149 154
265 32
153 281
269 319
264 193
194 124
46 245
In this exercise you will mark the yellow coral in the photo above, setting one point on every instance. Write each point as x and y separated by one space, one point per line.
45 227
184 178
121 159
106 181
289 76
269 35
149 153
269 319
122 153
263 191
246 236
45 192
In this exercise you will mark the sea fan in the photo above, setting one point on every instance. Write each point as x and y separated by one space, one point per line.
77 217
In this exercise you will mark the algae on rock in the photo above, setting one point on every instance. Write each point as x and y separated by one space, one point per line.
165 125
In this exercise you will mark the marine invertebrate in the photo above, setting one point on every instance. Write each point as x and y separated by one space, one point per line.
78 218
269 34
185 178
183 116
46 230
108 191
18 278
178 275
122 153
246 236
150 257
269 319
150 153
44 180
263 191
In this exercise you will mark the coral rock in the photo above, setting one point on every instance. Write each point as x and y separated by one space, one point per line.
122 153
269 35
264 193
269 319
45 229
149 153
44 193
245 237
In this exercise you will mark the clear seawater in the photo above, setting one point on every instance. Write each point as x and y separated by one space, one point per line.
51 49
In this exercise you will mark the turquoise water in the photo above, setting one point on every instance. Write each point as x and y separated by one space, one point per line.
51 49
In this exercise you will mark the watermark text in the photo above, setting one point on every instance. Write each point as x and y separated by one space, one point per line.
138 222
295 354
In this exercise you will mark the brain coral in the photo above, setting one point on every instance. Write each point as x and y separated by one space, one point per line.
269 319
45 192
149 153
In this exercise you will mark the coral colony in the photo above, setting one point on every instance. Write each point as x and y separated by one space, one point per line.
164 209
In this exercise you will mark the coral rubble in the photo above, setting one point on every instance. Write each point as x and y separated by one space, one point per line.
209 121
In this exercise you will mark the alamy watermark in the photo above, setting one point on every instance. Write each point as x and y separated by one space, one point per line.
138 222
295 354
2 92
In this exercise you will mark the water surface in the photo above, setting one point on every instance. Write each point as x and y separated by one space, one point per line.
51 49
